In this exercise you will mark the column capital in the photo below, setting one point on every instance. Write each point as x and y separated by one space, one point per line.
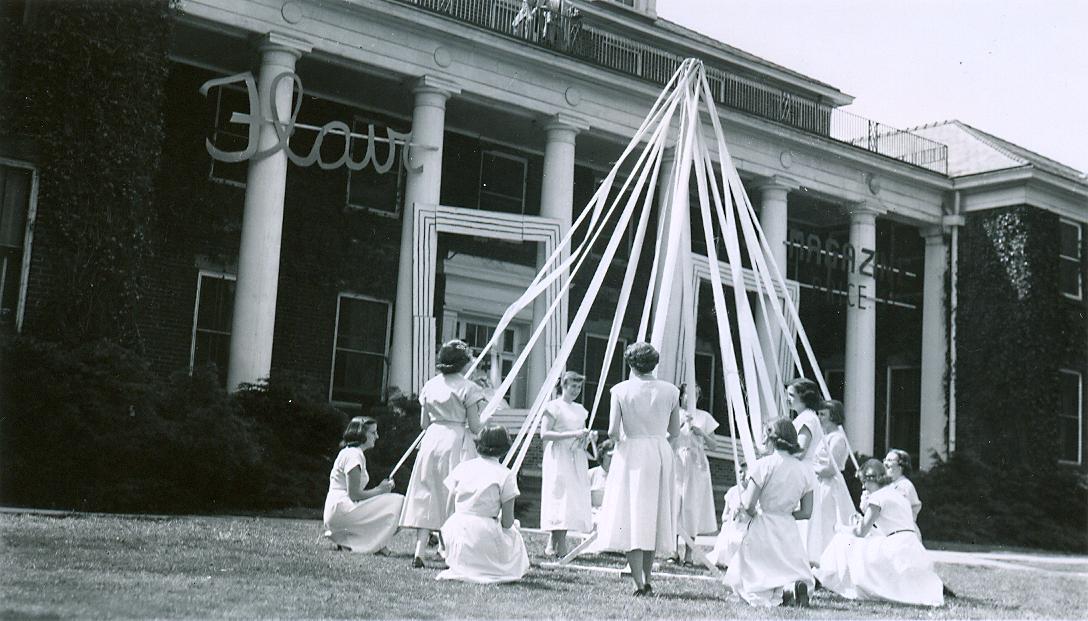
432 84
276 41
934 234
777 182
862 211
563 121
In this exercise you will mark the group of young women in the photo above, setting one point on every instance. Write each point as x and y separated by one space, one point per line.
789 522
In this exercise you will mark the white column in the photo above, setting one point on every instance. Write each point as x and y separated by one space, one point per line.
422 186
773 219
254 319
556 201
934 348
670 368
860 392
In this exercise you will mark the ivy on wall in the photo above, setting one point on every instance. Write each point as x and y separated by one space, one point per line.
84 83
1009 332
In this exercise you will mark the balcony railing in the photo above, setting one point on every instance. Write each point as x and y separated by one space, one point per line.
563 30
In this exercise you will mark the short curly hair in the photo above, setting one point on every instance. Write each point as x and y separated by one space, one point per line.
807 391
453 356
494 441
835 411
873 470
905 462
783 434
641 356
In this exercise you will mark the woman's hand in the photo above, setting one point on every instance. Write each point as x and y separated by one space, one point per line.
858 531
385 486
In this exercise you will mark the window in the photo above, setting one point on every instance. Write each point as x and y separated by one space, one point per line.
360 352
212 322
609 226
367 188
476 333
1071 418
706 372
903 413
228 136
1071 261
18 189
502 182
592 363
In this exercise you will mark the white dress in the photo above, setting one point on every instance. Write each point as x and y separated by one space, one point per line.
809 419
735 522
478 548
831 502
564 489
771 555
695 489
364 526
447 442
639 511
598 477
892 566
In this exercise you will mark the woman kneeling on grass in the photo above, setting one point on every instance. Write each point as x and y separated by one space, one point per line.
771 565
892 566
359 519
482 543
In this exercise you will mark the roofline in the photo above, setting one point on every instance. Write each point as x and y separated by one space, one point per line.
1018 174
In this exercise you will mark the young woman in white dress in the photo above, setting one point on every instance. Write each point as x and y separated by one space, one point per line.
696 492
564 490
892 565
771 566
831 503
451 416
483 544
639 512
898 464
356 518
803 397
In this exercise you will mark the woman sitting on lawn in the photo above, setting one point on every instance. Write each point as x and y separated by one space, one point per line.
482 543
892 566
356 518
771 565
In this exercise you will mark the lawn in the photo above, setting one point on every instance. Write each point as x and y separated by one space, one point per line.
97 566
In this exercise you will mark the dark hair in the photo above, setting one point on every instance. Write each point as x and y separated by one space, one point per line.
453 356
782 432
904 460
684 390
493 441
873 470
834 409
355 433
641 356
807 391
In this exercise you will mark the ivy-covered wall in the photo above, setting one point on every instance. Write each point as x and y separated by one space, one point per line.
1011 328
83 83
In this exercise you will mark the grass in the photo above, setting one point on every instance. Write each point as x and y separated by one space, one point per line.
96 566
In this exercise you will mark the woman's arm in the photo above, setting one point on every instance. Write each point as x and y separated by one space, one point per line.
872 512
355 486
424 418
805 512
507 519
472 411
708 438
804 439
615 425
674 421
547 435
750 496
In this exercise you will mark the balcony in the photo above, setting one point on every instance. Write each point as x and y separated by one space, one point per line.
567 32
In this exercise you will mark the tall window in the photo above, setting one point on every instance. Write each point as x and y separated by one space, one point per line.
227 136
706 372
17 189
1071 260
592 363
367 188
360 354
211 322
1071 417
904 410
502 182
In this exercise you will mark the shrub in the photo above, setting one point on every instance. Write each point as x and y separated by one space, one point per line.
972 501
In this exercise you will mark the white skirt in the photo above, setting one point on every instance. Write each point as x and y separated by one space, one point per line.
697 515
770 558
639 511
480 550
831 507
564 488
895 568
365 526
729 539
427 502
